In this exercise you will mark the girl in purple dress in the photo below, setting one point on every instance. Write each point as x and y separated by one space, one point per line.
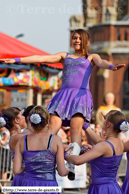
105 156
41 151
72 105
13 120
125 186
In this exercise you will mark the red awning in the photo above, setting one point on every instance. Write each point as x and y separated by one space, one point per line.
13 48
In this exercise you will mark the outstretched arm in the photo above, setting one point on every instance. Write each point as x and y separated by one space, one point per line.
105 64
39 59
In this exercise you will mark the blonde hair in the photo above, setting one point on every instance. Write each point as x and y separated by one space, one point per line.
107 95
43 112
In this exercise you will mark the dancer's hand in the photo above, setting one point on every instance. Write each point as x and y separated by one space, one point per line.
88 146
117 66
69 150
7 60
85 148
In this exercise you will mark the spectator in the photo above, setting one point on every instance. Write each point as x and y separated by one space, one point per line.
109 101
4 154
98 128
92 122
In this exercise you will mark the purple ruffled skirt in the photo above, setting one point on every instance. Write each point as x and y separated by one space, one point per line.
69 101
111 188
17 180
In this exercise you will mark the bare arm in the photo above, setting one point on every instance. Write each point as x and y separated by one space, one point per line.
14 140
4 140
126 146
39 59
97 151
92 136
104 63
17 165
99 117
62 170
89 141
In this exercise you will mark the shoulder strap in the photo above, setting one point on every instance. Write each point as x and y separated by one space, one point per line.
9 141
66 55
50 141
25 143
112 147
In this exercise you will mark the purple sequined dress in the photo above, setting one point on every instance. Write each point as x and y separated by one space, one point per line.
17 179
104 170
40 166
125 186
74 95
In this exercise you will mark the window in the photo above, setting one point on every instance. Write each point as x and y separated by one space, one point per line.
108 15
118 34
126 34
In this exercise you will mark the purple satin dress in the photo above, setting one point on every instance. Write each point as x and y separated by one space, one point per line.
104 170
74 95
40 166
125 186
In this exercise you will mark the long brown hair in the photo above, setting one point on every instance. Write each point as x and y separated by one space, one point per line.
85 37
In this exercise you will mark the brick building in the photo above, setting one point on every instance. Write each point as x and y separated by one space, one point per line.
109 39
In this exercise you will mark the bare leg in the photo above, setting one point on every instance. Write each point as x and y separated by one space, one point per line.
55 124
76 124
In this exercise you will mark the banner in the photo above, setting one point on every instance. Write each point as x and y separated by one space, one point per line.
44 80
15 78
34 78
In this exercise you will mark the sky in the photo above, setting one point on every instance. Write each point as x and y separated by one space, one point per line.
44 23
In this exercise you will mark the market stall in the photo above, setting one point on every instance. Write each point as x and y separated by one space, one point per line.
26 83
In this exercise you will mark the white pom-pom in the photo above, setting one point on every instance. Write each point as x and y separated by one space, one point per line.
124 126
2 122
35 118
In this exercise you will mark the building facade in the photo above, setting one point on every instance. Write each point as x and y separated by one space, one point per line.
109 39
